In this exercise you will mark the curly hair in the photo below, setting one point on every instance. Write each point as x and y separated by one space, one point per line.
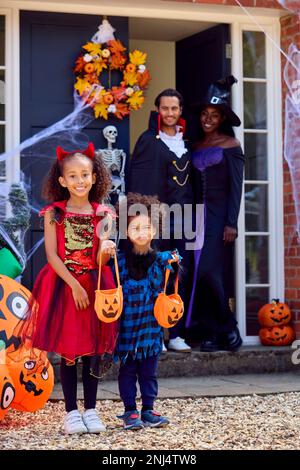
152 205
53 191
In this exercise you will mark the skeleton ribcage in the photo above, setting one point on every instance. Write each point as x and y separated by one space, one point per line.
112 159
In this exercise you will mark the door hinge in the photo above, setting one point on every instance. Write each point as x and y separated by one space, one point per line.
228 51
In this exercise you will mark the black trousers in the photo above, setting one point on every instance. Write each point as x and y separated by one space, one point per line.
68 376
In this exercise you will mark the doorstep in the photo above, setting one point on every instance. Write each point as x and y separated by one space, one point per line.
247 360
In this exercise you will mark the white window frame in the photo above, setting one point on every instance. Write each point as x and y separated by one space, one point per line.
12 93
275 170
269 19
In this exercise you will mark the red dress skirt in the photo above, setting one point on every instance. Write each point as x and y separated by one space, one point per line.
53 322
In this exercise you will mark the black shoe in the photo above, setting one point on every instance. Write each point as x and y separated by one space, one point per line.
231 341
209 345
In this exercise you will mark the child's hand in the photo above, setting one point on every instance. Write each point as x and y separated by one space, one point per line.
175 258
80 297
108 247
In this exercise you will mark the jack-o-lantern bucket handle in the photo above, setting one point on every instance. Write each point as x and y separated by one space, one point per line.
116 270
167 275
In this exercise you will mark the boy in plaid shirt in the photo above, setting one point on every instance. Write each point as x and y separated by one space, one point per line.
142 274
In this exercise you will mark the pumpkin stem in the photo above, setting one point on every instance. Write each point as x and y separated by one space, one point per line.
275 301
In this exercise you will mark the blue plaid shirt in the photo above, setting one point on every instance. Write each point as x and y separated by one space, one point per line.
140 335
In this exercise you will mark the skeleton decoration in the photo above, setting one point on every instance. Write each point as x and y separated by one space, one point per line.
114 160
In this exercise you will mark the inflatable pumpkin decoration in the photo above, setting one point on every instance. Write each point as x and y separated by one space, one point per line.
277 335
274 314
32 376
7 390
13 305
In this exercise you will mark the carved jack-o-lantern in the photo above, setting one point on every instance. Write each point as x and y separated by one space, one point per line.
274 314
32 376
277 335
7 390
13 305
168 309
109 302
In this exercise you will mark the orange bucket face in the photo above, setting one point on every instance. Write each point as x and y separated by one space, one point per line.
168 309
109 304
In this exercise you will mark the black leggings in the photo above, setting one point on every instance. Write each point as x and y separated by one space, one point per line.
68 375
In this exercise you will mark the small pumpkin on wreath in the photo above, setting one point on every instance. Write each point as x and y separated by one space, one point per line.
104 52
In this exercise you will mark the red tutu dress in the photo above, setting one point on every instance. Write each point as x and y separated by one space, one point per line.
53 322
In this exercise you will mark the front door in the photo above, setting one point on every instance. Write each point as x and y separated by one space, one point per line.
200 60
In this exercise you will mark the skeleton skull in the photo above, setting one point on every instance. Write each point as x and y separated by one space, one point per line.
110 133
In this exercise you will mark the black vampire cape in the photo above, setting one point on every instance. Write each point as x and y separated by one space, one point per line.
156 170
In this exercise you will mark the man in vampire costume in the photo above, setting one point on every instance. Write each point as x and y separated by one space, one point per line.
160 165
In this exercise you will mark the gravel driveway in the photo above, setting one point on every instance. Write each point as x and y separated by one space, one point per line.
248 422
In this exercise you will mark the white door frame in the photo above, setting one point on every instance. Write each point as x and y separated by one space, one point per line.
268 19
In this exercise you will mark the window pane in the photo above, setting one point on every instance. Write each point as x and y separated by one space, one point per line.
254 54
256 208
2 40
255 109
2 95
256 297
256 157
2 139
257 259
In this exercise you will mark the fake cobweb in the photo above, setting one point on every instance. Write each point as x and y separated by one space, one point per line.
18 202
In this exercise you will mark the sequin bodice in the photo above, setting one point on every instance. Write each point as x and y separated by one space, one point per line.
79 236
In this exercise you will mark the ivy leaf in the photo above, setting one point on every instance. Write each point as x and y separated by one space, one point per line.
92 48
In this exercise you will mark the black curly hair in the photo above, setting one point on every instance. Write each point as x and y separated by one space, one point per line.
152 204
53 191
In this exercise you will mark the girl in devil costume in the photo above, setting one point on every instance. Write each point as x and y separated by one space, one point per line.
62 318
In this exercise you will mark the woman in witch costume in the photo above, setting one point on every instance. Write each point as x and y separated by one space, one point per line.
218 164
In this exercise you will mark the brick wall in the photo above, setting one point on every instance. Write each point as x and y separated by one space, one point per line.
290 32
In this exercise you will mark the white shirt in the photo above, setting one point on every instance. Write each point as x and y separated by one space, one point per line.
174 142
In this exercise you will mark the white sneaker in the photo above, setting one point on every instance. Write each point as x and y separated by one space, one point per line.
92 421
73 423
164 349
178 344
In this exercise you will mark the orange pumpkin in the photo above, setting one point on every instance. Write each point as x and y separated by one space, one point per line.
13 305
108 98
274 314
130 68
109 302
168 309
89 68
7 390
277 335
32 376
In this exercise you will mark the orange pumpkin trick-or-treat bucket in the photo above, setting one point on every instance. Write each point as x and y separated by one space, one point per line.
168 309
109 303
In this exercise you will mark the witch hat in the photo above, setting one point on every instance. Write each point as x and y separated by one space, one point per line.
219 95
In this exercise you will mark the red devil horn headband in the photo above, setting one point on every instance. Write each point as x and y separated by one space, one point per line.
88 152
